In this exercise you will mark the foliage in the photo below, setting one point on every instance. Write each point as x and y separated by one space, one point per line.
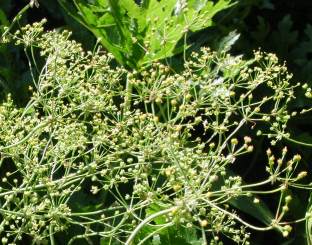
140 33
278 26
288 44
14 71
89 160
10 57
282 27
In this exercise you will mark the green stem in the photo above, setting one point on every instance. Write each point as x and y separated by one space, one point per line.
155 232
128 96
16 18
51 235
298 142
234 216
27 136
144 222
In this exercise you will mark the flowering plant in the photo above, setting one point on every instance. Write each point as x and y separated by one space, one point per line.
88 159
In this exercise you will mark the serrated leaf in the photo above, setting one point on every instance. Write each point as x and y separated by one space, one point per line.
154 208
173 235
139 34
285 37
180 235
262 30
227 42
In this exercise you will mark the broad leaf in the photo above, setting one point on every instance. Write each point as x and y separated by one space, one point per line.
139 34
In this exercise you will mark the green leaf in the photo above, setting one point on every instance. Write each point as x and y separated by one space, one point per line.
108 241
262 30
138 35
154 208
227 42
285 37
257 210
180 235
3 18
173 235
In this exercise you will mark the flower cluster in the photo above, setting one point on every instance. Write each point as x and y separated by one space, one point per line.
107 152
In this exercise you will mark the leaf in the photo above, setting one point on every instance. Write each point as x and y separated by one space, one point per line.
3 18
138 35
154 208
108 241
266 4
156 240
180 235
285 37
173 235
262 30
257 210
304 48
227 42
204 17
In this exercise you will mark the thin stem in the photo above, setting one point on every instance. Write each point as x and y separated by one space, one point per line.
144 222
16 19
26 137
51 235
234 216
155 232
298 142
128 96
204 236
